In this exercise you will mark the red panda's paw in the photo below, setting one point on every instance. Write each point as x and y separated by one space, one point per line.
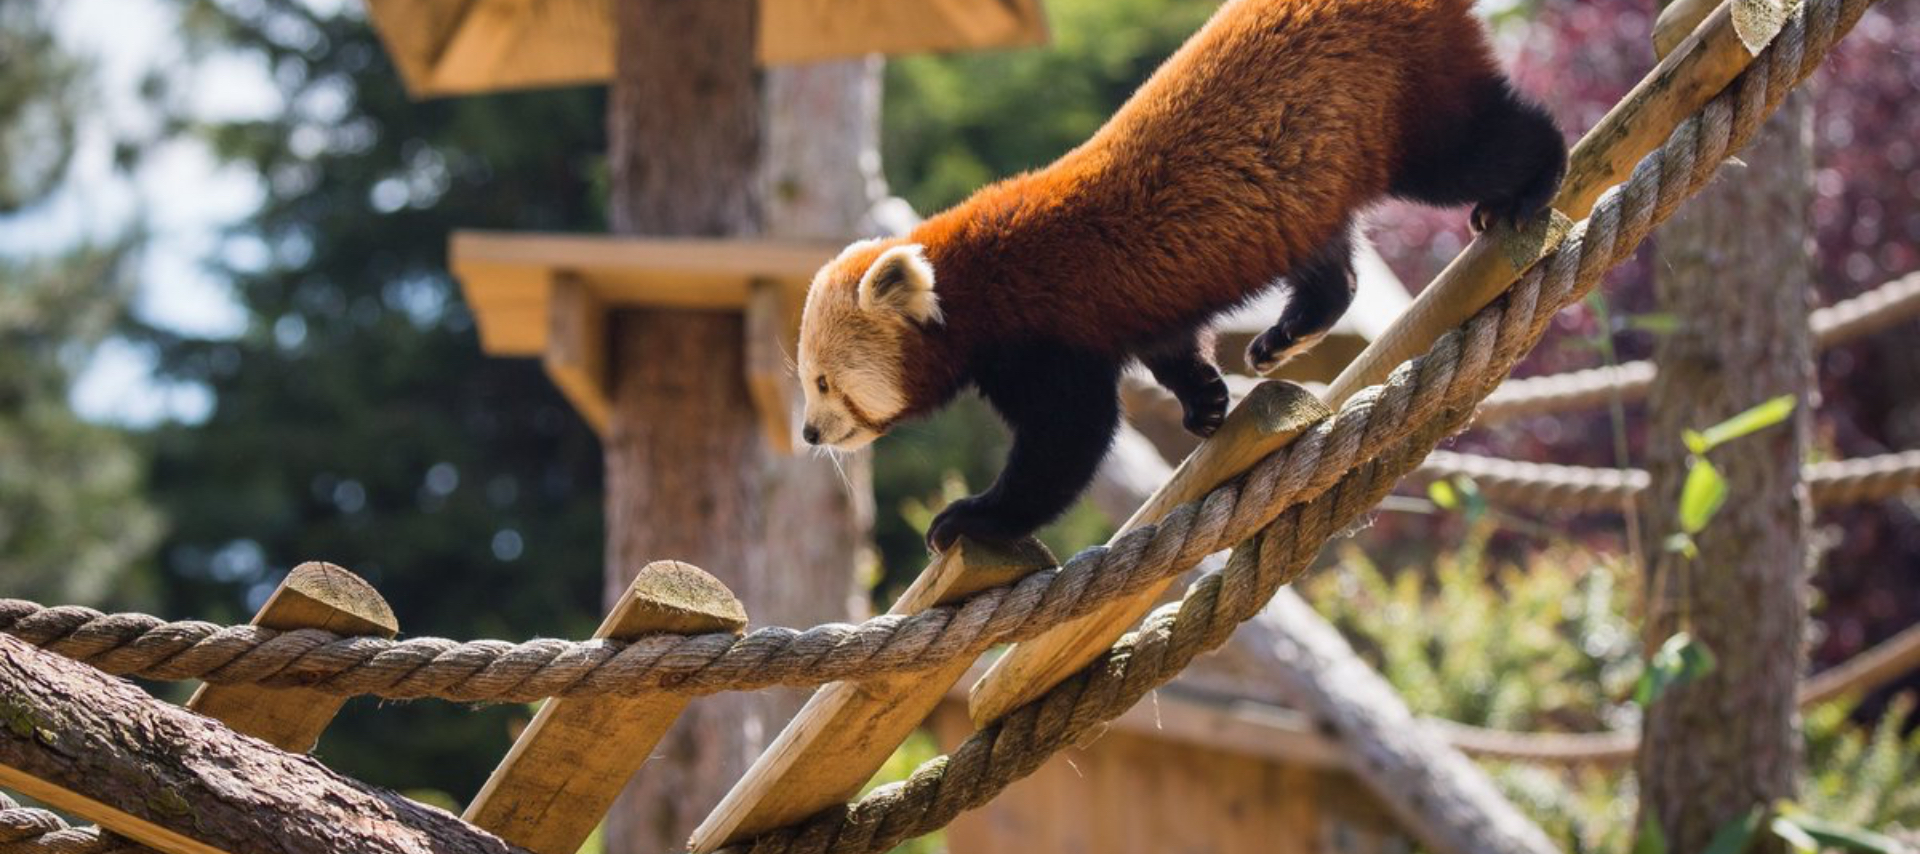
972 518
1273 348
1203 411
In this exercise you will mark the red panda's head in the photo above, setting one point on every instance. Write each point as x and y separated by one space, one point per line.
862 310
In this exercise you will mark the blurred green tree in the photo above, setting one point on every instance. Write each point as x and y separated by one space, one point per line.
73 522
355 419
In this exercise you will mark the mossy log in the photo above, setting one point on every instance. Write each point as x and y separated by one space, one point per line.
99 747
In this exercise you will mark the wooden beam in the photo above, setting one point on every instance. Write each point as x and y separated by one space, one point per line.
578 351
313 596
1678 87
795 31
480 43
567 767
848 729
99 747
773 322
508 278
1271 410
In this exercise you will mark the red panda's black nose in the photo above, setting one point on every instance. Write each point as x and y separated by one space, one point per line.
811 434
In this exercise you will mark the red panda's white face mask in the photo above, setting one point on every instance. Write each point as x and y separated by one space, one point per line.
860 309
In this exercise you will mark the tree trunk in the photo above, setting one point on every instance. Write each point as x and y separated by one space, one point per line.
93 745
688 475
1736 270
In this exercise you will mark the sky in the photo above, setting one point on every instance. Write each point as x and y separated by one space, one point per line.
184 198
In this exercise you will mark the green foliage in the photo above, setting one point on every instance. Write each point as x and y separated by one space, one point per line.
73 522
1680 660
956 122
41 94
355 418
1734 836
1747 423
1543 645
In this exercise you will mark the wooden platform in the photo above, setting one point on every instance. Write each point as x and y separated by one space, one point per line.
548 295
453 47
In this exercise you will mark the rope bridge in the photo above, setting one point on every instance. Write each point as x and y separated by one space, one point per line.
1275 517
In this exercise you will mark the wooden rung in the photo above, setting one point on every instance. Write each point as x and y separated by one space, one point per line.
567 767
848 729
314 596
1270 416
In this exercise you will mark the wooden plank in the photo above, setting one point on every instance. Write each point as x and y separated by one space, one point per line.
314 595
480 43
1273 410
793 31
567 767
847 730
1696 71
578 350
508 278
773 324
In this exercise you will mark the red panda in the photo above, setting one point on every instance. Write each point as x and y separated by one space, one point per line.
1240 162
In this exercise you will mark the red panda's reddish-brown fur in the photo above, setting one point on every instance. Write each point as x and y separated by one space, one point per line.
1246 150
1242 160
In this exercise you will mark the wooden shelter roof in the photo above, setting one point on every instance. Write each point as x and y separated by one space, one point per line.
454 47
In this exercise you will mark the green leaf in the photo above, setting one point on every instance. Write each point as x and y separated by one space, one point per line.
1734 836
1443 495
1651 839
1683 545
1751 421
1695 442
1836 835
1680 660
1658 324
1701 496
1795 837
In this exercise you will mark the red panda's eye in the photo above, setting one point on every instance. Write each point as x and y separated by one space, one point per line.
820 382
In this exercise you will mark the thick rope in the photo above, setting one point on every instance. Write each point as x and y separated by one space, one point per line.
1456 371
1016 745
1870 312
1589 490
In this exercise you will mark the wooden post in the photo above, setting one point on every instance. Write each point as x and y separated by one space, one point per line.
1697 70
313 596
99 747
565 770
847 731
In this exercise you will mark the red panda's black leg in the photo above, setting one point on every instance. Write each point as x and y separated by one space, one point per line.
1064 408
1505 157
1319 290
1184 365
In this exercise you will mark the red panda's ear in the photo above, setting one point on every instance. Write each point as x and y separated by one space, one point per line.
901 280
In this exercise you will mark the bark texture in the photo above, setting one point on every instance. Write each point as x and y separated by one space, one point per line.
1735 266
688 474
170 777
